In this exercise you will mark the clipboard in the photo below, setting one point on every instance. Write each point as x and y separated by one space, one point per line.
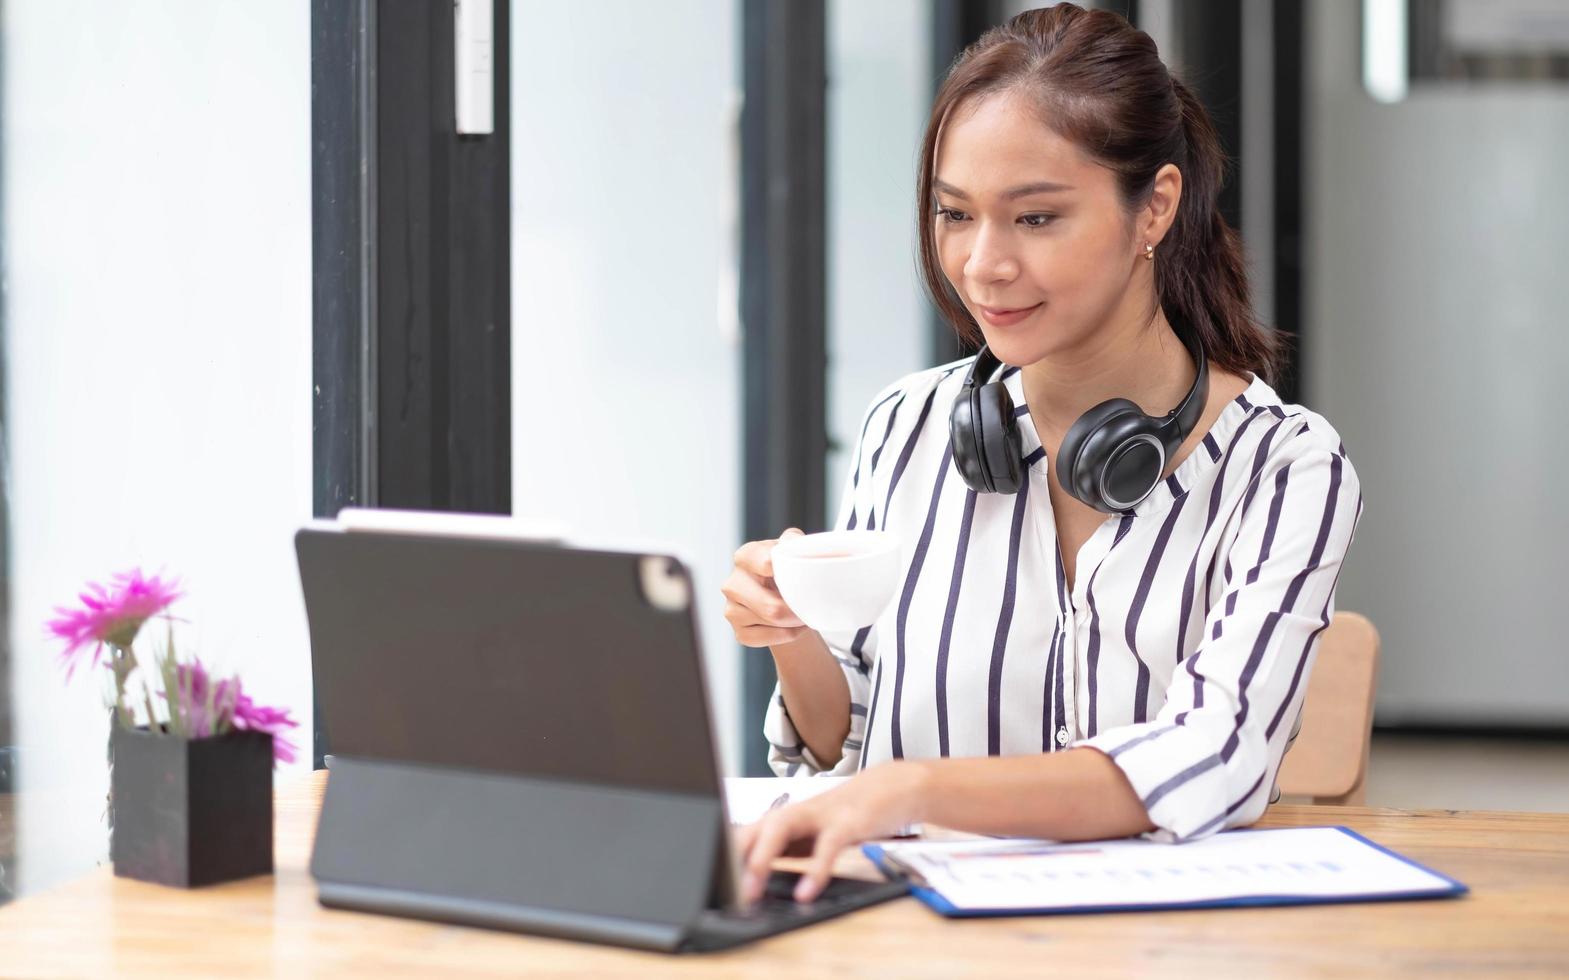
1290 866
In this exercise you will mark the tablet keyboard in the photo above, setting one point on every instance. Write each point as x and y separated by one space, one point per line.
778 911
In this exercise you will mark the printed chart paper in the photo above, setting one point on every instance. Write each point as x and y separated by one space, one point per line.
1306 864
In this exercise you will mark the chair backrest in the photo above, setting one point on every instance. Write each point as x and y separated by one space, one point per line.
1328 760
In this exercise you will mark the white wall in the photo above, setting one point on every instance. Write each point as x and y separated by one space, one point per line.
879 95
157 353
625 375
1436 343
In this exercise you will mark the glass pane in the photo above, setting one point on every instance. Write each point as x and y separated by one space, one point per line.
879 320
626 350
157 363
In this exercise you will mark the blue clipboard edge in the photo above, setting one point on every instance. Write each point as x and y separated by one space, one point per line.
938 903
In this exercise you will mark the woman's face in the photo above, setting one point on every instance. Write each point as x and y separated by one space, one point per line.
1031 232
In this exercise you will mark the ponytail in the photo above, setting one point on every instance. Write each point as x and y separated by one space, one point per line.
1201 273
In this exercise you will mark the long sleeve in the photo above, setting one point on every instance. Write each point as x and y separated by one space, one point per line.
788 755
855 651
1207 761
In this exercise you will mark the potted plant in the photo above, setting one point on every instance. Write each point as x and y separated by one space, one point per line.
190 786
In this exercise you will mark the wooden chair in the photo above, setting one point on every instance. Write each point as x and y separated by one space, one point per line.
1328 760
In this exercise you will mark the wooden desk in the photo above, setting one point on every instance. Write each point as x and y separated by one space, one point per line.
1515 922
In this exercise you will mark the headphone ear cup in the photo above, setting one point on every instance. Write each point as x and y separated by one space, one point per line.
1134 460
1087 447
984 436
1001 447
964 436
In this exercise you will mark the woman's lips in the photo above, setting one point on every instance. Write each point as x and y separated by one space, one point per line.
1002 317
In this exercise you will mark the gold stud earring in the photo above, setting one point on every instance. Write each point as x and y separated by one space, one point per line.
1149 252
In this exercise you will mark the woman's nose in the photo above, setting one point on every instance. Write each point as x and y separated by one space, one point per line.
991 257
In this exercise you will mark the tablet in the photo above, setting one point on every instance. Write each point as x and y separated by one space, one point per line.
522 738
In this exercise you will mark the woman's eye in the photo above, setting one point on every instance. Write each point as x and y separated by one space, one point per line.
1038 220
951 215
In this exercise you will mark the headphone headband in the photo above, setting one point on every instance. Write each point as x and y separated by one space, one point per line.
1181 420
984 366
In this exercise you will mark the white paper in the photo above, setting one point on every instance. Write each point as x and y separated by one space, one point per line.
1308 862
748 798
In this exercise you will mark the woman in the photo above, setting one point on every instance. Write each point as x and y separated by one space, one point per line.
1066 659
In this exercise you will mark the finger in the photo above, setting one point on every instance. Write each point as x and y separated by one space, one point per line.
768 557
753 557
768 636
770 607
743 617
829 843
744 836
773 834
749 632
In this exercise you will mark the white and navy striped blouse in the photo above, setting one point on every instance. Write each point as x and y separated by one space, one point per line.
1182 650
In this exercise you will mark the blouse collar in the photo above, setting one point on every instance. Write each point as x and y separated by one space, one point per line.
1257 397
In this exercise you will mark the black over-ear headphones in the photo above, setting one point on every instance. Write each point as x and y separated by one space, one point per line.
1111 458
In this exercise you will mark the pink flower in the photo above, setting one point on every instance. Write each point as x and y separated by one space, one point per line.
229 706
252 717
204 705
112 615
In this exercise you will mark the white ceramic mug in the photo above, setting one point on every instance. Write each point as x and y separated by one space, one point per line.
837 580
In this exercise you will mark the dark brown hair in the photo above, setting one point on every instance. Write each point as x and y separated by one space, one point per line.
1101 84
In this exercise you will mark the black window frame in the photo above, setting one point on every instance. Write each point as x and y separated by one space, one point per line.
411 269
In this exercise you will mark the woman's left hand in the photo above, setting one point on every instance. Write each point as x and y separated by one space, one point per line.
876 803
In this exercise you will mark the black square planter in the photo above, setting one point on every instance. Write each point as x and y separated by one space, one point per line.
191 811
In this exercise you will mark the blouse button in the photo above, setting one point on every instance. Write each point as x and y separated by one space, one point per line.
1062 736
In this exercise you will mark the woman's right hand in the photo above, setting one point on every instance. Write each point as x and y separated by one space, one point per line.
756 611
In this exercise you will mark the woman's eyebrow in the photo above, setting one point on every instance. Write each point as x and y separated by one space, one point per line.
1023 190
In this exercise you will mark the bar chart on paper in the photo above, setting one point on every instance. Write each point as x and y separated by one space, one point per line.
1258 867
